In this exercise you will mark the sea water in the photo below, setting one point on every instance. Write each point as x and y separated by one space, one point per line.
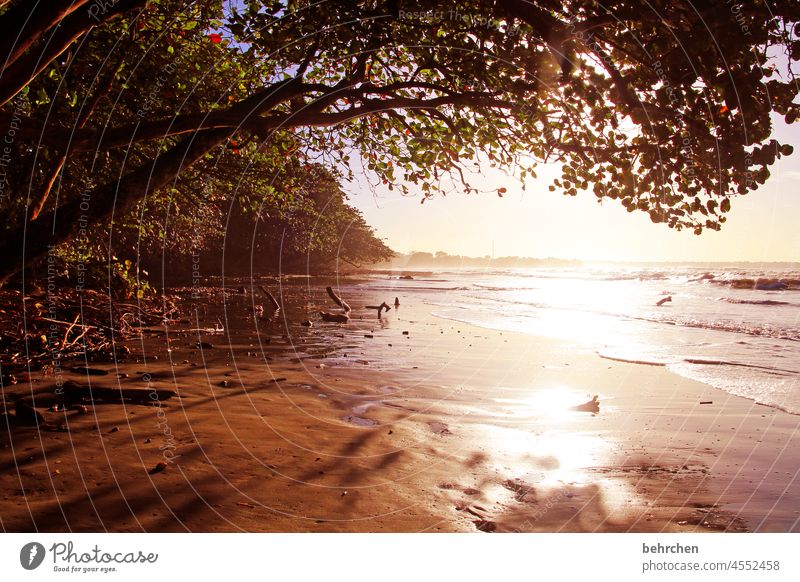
734 327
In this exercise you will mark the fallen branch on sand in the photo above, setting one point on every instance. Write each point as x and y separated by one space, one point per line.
39 331
337 300
276 307
218 328
334 317
380 308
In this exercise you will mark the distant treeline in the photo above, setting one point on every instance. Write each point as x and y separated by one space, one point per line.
422 260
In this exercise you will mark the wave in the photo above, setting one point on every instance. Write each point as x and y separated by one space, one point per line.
397 288
760 283
727 326
756 301
696 361
631 360
706 362
754 329
493 288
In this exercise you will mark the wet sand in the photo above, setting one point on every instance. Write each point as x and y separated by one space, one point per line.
409 423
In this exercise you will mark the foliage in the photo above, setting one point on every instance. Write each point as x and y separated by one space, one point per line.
666 106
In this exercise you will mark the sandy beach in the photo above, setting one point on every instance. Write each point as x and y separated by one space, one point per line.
409 423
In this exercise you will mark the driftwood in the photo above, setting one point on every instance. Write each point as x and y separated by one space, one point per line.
218 328
338 300
667 299
271 298
66 323
380 308
334 317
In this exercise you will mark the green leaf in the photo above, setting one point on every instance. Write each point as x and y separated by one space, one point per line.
41 97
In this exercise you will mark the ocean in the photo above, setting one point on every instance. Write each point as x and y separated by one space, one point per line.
734 327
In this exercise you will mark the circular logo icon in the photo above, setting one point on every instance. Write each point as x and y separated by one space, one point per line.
31 555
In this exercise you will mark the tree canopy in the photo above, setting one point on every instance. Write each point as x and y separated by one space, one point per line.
665 106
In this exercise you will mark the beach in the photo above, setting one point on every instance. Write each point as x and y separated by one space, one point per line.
406 423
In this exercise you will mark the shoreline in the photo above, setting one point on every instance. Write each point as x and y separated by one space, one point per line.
449 427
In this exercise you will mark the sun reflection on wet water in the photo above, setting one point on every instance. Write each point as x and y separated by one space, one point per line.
554 456
555 448
557 403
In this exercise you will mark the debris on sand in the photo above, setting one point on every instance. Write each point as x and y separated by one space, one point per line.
485 525
592 406
334 317
337 300
667 299
380 308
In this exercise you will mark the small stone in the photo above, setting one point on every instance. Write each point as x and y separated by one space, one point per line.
115 429
306 323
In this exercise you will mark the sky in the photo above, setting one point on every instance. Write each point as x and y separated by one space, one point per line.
762 226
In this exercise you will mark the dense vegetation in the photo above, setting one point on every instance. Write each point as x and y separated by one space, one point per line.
136 126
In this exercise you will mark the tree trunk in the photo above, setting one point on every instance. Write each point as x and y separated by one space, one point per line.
18 73
32 240
25 23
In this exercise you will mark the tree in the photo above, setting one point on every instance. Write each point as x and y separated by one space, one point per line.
292 219
666 106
